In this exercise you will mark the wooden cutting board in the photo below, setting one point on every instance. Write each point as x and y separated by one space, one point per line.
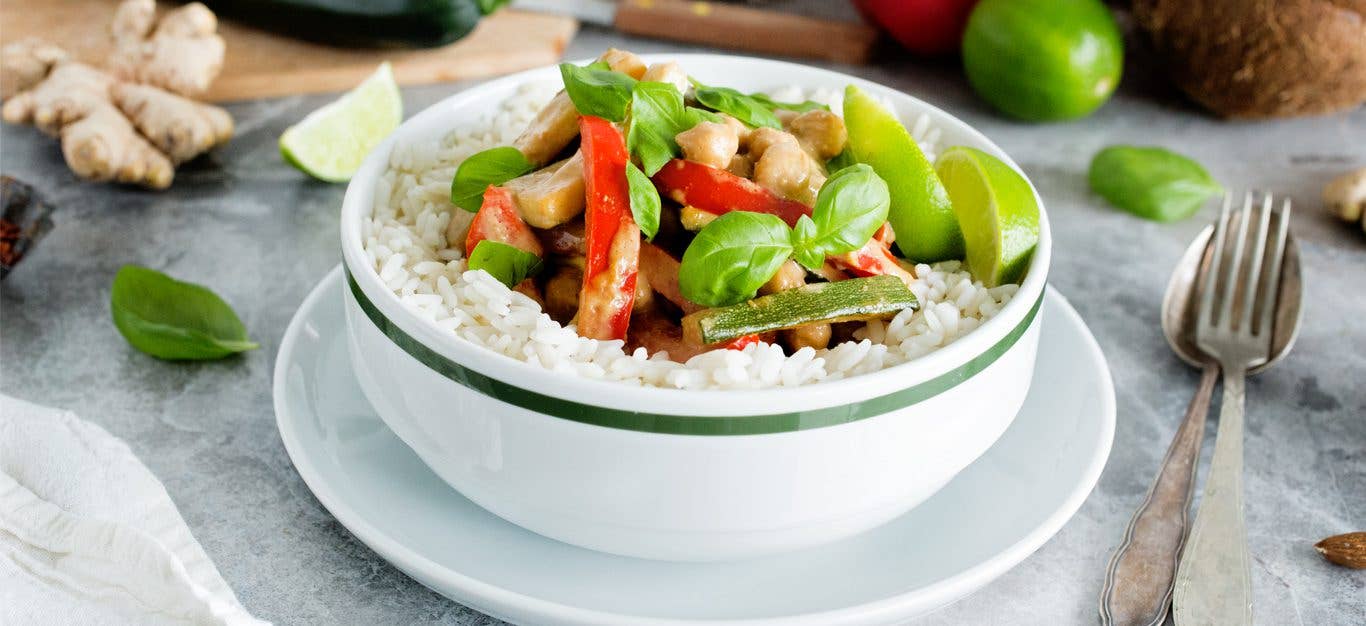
260 64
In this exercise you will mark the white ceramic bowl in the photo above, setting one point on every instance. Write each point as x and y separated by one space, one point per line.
673 474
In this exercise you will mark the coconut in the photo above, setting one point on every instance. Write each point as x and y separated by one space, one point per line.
1262 58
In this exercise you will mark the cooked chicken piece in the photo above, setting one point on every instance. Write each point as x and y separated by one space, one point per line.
791 275
790 172
528 289
809 336
552 129
830 273
761 139
695 219
625 62
660 270
656 333
709 143
558 123
550 196
742 132
741 166
820 132
562 293
785 116
645 295
670 73
565 239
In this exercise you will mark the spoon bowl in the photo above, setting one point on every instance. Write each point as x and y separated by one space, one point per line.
1179 309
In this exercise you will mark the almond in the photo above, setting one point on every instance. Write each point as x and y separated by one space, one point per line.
1348 550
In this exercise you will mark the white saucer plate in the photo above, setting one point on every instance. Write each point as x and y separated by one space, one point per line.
987 520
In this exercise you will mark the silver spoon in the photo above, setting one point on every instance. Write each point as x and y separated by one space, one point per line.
1140 577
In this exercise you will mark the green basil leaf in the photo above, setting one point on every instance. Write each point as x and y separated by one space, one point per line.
840 161
808 256
800 107
508 264
657 115
732 257
494 166
644 201
598 91
1152 183
168 319
735 104
697 116
851 206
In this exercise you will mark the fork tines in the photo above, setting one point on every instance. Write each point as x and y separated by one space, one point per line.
1241 299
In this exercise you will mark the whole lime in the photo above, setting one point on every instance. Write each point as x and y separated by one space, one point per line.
1042 60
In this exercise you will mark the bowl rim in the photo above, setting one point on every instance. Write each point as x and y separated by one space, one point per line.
367 289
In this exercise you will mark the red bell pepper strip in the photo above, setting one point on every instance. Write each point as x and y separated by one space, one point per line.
611 236
873 259
717 191
885 235
740 343
499 221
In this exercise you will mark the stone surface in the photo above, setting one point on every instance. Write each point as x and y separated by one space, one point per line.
262 235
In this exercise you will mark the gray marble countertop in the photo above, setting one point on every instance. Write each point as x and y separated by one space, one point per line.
262 235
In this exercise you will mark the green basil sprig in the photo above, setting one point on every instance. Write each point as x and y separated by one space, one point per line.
645 204
510 265
494 166
733 257
740 106
851 206
172 320
1152 183
800 107
597 90
657 116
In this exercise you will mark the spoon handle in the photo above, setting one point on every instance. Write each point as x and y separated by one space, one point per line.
1138 583
1214 580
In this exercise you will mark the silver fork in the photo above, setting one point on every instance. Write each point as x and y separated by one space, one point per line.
1237 310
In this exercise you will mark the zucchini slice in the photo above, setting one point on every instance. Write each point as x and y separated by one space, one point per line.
843 301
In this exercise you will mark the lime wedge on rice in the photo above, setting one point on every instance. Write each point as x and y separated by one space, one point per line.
996 210
331 142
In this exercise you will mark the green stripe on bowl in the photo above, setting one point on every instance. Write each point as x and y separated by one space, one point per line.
684 424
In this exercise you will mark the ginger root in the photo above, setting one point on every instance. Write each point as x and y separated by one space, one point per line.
25 63
181 128
99 143
182 53
112 130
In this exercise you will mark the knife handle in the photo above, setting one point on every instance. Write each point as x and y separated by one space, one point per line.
742 28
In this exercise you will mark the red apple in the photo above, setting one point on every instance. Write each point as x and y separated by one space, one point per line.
923 26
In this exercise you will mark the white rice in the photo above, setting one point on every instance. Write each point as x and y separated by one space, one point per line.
406 244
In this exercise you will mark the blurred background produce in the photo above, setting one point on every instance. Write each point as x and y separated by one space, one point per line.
1043 60
928 27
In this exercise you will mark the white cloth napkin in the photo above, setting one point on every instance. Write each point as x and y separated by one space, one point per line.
89 536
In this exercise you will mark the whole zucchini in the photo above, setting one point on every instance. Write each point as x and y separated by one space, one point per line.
368 23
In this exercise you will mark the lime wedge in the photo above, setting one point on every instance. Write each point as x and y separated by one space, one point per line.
330 143
926 230
996 210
